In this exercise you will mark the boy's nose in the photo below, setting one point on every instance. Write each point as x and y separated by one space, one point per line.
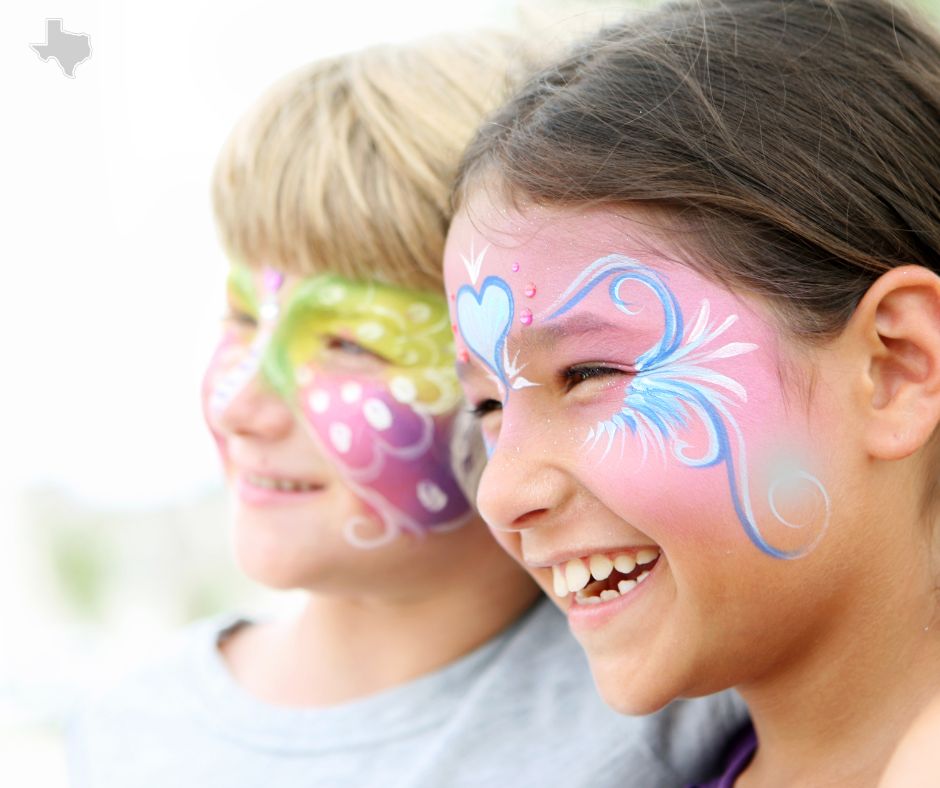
522 485
255 410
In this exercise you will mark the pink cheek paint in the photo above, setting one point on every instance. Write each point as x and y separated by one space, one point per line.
395 458
224 357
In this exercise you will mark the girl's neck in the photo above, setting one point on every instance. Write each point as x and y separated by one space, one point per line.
344 647
835 715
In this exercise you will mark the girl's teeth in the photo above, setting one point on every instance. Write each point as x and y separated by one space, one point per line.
577 575
573 576
625 563
601 567
646 556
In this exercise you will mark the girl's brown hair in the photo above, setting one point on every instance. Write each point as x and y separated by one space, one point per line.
796 143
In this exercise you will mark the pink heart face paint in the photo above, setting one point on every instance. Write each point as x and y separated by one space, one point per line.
657 387
368 371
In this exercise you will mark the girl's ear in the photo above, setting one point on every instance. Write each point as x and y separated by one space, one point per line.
897 328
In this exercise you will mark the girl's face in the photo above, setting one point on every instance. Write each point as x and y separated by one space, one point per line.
648 464
333 405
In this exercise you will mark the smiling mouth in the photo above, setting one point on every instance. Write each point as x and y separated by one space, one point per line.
600 578
280 484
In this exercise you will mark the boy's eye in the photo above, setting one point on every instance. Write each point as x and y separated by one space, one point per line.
240 318
573 376
350 348
485 406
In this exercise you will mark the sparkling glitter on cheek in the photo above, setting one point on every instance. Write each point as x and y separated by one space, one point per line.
525 317
529 290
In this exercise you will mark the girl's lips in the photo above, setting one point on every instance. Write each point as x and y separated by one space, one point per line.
270 491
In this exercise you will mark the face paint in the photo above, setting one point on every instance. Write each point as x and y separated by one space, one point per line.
387 423
685 349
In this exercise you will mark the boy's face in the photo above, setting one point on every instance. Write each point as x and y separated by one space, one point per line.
333 404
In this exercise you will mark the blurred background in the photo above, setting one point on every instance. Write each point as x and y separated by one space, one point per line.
112 514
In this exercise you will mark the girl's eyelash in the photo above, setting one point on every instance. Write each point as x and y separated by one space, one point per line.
575 375
483 407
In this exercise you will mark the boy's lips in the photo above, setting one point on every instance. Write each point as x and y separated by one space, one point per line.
271 488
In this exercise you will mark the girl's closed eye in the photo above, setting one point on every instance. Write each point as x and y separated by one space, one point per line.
574 376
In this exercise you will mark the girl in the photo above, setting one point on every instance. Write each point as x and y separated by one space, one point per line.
423 655
693 277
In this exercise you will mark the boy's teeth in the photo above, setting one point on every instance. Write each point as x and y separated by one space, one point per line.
647 555
601 567
642 576
624 563
559 583
285 485
577 575
608 593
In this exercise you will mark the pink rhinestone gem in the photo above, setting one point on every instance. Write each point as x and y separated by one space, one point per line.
515 267
530 290
272 280
525 317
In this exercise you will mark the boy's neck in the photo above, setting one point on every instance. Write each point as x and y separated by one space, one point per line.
343 647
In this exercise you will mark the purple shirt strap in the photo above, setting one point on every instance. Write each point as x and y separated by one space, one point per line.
739 755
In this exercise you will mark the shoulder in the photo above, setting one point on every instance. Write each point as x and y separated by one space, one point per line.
161 699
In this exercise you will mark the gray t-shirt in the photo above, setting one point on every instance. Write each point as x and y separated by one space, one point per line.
519 711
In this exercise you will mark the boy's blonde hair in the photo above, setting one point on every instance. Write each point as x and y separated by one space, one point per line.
346 165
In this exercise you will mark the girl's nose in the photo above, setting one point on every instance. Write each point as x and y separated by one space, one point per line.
522 485
254 410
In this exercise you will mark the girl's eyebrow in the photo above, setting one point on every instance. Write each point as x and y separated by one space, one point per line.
570 327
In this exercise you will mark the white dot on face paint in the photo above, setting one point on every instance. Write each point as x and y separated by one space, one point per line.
332 294
377 414
340 437
403 389
319 401
303 376
418 313
432 497
370 331
350 392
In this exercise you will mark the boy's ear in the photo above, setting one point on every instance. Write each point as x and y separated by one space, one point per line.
897 323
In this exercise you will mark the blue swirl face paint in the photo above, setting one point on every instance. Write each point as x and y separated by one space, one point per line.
677 389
